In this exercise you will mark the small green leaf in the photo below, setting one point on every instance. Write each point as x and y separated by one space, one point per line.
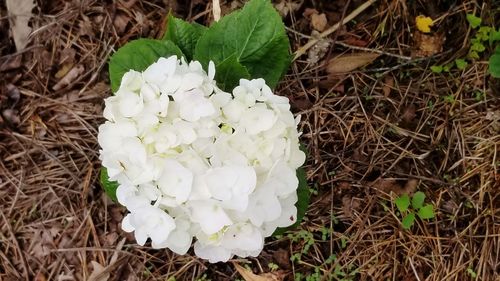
418 200
403 202
473 55
461 64
408 221
185 35
255 35
437 68
494 63
494 36
473 20
483 33
108 186
478 47
426 212
138 55
472 273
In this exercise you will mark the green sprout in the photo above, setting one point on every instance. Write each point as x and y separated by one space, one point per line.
411 208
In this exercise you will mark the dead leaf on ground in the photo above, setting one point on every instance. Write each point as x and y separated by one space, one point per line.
319 22
11 116
349 205
65 68
120 22
282 258
388 85
20 15
102 273
250 276
349 62
286 7
387 186
10 62
319 50
355 41
40 277
409 114
427 45
99 273
69 77
392 185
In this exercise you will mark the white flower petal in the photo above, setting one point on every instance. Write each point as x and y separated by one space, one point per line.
175 181
209 215
212 253
131 80
211 70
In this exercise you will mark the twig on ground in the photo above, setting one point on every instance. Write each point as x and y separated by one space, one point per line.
18 247
302 50
373 51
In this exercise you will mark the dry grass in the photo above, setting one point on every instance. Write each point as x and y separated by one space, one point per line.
371 134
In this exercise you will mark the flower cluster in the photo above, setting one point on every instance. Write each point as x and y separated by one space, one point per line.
193 161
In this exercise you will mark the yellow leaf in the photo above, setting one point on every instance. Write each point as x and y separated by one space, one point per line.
424 23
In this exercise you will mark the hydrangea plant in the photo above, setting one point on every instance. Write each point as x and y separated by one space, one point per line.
196 145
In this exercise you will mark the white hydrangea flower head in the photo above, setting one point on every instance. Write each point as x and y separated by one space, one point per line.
195 162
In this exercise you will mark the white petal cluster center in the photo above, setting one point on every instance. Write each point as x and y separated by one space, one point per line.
195 162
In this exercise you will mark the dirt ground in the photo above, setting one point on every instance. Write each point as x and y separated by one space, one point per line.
378 120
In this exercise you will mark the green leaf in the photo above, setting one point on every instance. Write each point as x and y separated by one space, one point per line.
138 55
437 68
494 36
402 203
303 195
184 34
483 33
473 55
417 200
302 203
109 186
229 72
408 221
494 63
478 47
426 212
473 20
461 64
255 36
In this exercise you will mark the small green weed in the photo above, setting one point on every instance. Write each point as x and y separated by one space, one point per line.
301 236
203 278
471 273
484 36
410 208
272 266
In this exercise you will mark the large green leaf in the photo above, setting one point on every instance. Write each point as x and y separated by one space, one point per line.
229 72
108 186
184 34
494 63
303 194
138 55
255 36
